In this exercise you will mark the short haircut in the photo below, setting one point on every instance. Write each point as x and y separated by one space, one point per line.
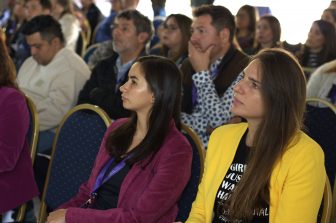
141 22
46 25
46 4
221 17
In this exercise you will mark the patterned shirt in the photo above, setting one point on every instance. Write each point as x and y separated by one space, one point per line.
211 110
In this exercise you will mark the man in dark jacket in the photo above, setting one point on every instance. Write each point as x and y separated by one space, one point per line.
131 32
213 30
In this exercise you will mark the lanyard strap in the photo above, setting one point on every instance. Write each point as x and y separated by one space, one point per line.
101 179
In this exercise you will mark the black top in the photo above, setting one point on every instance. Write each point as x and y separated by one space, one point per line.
108 193
232 177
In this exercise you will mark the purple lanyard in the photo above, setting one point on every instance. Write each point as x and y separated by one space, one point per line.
101 180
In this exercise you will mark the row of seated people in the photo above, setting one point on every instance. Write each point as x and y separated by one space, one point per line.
175 37
196 95
99 88
73 23
144 161
252 34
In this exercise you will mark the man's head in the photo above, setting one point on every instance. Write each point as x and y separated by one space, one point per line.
212 26
37 7
131 32
45 38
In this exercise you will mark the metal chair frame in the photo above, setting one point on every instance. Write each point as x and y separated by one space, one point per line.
33 146
107 121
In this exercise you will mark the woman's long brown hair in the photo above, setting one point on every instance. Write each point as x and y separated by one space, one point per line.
184 23
7 68
284 92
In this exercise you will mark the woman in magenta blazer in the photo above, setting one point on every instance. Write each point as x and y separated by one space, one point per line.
144 162
17 184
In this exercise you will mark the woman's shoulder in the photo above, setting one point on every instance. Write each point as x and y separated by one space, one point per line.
230 129
304 147
175 141
116 123
9 94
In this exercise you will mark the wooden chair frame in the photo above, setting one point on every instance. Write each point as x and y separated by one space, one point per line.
316 101
198 143
33 146
327 203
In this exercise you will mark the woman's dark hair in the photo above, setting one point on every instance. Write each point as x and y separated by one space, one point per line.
7 68
164 80
283 90
329 49
276 30
328 52
252 14
184 23
332 12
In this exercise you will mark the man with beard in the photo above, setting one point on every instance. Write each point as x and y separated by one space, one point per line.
211 70
131 31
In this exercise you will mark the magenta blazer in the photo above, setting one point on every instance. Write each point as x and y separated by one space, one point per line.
17 183
146 195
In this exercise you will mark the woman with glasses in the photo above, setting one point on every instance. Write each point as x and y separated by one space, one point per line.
174 36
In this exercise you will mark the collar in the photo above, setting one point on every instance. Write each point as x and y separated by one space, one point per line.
125 65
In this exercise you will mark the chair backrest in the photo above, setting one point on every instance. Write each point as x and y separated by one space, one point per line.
320 123
89 51
95 30
75 147
32 135
327 203
308 71
33 132
87 31
197 166
81 44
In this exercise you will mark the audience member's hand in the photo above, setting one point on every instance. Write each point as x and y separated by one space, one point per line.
200 60
57 216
